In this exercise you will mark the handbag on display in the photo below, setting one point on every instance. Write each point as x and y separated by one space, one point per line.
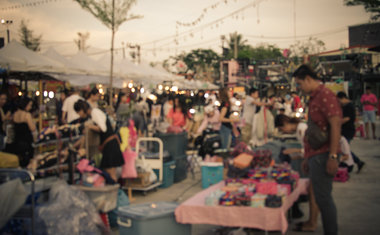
315 136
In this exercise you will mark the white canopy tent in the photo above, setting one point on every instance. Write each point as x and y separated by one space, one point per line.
194 84
140 73
18 58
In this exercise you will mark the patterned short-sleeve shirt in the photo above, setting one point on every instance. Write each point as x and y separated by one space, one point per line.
323 104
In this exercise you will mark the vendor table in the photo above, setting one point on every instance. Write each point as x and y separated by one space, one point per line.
194 211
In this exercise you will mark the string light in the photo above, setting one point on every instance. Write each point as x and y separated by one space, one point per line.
24 5
200 17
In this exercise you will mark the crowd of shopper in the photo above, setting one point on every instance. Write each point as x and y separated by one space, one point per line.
249 118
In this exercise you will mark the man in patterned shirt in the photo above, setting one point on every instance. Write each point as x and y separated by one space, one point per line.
322 163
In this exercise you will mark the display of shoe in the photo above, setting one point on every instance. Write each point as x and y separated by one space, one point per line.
360 166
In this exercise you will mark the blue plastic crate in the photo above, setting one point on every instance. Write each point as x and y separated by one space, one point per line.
180 171
168 174
150 218
175 144
212 173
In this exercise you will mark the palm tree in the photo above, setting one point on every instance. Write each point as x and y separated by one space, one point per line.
236 43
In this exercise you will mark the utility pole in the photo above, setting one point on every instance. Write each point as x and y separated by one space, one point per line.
112 45
7 23
235 46
294 21
222 38
138 54
122 46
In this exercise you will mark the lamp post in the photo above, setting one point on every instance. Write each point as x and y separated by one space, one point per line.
7 23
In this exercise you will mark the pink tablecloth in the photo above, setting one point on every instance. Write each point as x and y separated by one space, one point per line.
194 211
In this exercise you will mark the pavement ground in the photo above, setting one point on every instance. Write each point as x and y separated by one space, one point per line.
357 200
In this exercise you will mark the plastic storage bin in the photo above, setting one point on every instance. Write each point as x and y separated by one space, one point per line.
180 171
151 218
212 173
175 144
168 174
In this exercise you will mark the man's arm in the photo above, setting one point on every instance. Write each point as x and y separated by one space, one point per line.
332 162
63 118
345 119
335 126
259 103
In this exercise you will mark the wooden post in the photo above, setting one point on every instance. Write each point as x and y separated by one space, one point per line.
40 99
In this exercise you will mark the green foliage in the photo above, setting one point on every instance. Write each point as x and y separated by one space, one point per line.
266 52
261 52
27 38
239 41
371 6
204 62
199 58
245 51
102 10
310 47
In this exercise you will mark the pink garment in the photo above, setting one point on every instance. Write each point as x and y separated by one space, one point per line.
178 118
266 188
369 98
194 211
83 166
174 129
132 134
214 121
129 167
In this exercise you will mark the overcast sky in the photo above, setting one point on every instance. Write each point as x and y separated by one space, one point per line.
259 21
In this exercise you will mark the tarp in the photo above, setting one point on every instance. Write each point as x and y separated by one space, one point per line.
194 84
70 67
18 58
83 62
12 198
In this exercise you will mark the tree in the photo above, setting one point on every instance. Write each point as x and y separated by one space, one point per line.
306 49
28 39
201 61
263 52
112 13
372 6
235 44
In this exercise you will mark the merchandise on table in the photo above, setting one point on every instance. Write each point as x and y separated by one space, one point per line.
265 187
55 132
258 200
243 160
273 201
213 198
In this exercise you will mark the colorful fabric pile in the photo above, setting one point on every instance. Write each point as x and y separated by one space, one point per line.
264 187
